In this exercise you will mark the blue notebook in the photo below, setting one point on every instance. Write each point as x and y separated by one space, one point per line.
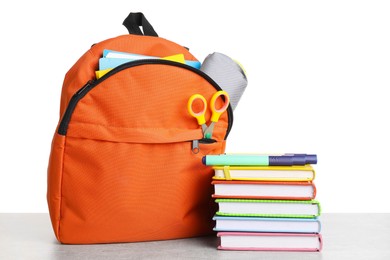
110 63
270 225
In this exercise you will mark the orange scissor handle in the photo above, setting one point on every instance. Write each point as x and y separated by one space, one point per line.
216 113
200 116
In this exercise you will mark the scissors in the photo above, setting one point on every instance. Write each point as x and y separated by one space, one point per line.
216 113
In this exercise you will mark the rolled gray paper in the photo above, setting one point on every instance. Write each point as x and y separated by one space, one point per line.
228 74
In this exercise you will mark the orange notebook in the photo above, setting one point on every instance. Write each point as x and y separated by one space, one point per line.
264 190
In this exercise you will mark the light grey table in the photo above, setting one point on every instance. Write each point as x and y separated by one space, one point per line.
346 236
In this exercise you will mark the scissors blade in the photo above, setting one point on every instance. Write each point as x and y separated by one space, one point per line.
204 128
208 133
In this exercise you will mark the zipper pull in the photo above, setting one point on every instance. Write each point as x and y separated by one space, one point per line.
195 146
89 83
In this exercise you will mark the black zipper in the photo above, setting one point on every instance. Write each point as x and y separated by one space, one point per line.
63 127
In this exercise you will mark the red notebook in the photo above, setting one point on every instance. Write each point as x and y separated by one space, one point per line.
264 190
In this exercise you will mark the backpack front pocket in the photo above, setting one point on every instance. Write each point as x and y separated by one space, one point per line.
133 191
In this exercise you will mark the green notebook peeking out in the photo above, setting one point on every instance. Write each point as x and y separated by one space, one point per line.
269 208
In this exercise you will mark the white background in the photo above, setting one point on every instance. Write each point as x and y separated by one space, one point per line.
319 74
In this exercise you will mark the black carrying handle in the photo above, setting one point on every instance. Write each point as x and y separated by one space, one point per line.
134 21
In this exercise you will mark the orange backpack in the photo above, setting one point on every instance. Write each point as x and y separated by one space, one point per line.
122 166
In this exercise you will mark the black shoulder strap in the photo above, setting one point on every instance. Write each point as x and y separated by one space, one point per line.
133 23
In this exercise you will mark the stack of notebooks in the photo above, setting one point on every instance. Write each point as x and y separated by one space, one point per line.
266 202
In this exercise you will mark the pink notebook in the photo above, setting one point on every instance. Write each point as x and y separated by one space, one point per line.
270 241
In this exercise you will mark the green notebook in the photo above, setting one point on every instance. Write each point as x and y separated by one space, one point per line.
269 208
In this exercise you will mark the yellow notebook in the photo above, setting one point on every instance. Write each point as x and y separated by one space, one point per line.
265 173
101 73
